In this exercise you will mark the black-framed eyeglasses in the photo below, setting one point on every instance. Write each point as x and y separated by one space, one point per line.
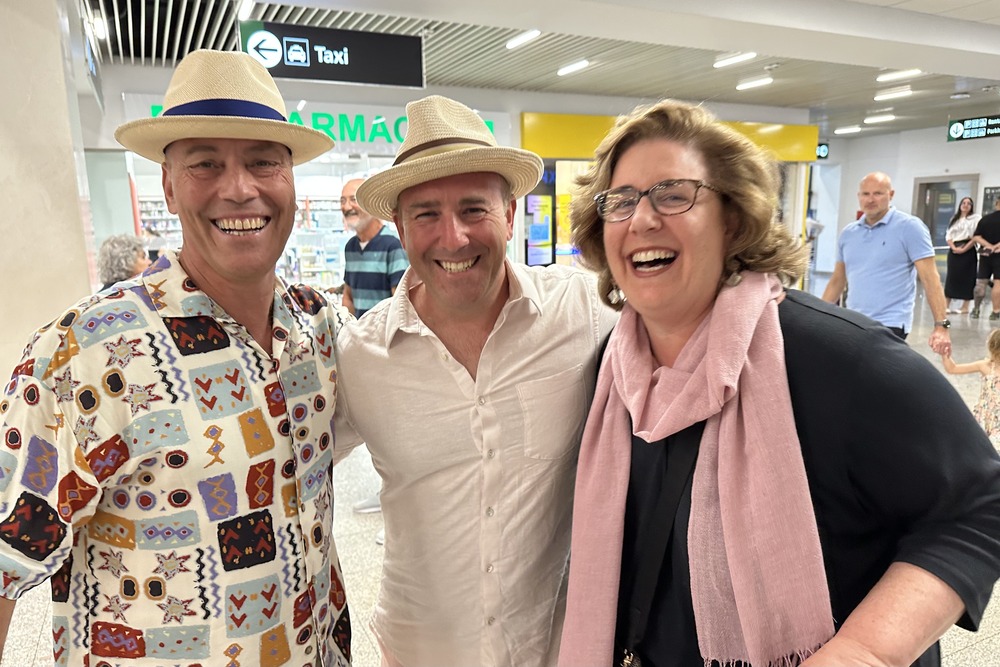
666 197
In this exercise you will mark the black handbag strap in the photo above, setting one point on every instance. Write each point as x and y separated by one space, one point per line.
682 451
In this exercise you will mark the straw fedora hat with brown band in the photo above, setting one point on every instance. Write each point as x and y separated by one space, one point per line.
445 138
221 95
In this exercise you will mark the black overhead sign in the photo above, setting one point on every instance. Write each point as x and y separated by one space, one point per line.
323 54
974 128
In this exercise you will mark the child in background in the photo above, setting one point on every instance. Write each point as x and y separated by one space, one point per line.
987 408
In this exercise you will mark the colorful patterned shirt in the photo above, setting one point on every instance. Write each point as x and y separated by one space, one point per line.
374 271
174 481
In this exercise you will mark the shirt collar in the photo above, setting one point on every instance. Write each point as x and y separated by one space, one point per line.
167 289
402 316
886 219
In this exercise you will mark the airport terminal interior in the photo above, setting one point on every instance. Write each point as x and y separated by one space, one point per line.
836 89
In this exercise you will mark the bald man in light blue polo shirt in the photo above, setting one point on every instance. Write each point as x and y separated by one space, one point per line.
880 256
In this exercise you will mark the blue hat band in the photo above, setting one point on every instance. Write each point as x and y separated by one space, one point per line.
224 107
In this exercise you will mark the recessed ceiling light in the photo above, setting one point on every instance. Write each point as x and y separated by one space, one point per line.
100 28
732 58
896 76
960 96
245 10
574 67
754 83
851 129
893 93
881 118
523 38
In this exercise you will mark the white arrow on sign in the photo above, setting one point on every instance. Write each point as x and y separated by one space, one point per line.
265 47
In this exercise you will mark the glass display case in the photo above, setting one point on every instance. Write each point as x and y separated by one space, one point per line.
314 254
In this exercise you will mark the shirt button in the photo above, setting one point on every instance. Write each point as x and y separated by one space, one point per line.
482 400
490 620
489 511
490 453
489 568
444 356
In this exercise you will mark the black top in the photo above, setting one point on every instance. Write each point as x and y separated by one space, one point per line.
898 470
989 227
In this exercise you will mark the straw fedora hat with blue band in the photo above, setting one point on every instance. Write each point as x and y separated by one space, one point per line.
445 138
221 95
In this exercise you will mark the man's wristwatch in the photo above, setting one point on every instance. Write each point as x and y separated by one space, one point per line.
943 323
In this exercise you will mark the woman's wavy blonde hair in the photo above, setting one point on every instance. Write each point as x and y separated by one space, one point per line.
747 180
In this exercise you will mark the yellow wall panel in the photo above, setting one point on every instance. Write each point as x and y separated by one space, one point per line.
568 136
574 136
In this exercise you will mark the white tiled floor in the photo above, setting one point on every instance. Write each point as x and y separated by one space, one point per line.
361 558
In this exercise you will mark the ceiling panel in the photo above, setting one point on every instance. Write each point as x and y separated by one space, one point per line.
161 32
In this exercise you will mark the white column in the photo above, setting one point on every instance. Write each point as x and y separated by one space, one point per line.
44 257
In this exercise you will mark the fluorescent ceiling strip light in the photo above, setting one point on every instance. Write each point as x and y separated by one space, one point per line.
733 58
853 129
754 83
893 93
881 118
575 67
245 10
523 38
896 76
100 28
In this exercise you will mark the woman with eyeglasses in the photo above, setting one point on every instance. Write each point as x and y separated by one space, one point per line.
764 479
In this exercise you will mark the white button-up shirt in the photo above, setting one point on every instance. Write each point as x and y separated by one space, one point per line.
477 475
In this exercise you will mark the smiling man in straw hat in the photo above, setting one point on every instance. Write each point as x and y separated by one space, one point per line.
484 370
168 443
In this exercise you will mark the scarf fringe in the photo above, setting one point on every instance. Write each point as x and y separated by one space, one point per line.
792 660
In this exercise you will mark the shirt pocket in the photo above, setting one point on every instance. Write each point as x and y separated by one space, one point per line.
554 409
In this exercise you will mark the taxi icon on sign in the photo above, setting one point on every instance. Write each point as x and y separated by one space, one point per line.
296 54
296 51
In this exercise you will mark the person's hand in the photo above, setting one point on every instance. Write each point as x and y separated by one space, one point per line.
940 341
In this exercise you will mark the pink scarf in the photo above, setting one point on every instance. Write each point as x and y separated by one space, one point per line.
757 579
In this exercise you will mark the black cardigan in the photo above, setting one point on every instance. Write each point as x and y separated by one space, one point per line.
898 470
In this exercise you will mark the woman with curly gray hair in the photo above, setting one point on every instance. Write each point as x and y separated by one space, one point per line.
739 487
119 258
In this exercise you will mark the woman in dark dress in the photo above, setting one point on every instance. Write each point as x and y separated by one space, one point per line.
765 479
962 264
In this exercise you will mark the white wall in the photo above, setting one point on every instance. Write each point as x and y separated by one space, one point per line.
915 154
98 128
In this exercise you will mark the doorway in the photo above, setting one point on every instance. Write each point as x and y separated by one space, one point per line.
936 200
